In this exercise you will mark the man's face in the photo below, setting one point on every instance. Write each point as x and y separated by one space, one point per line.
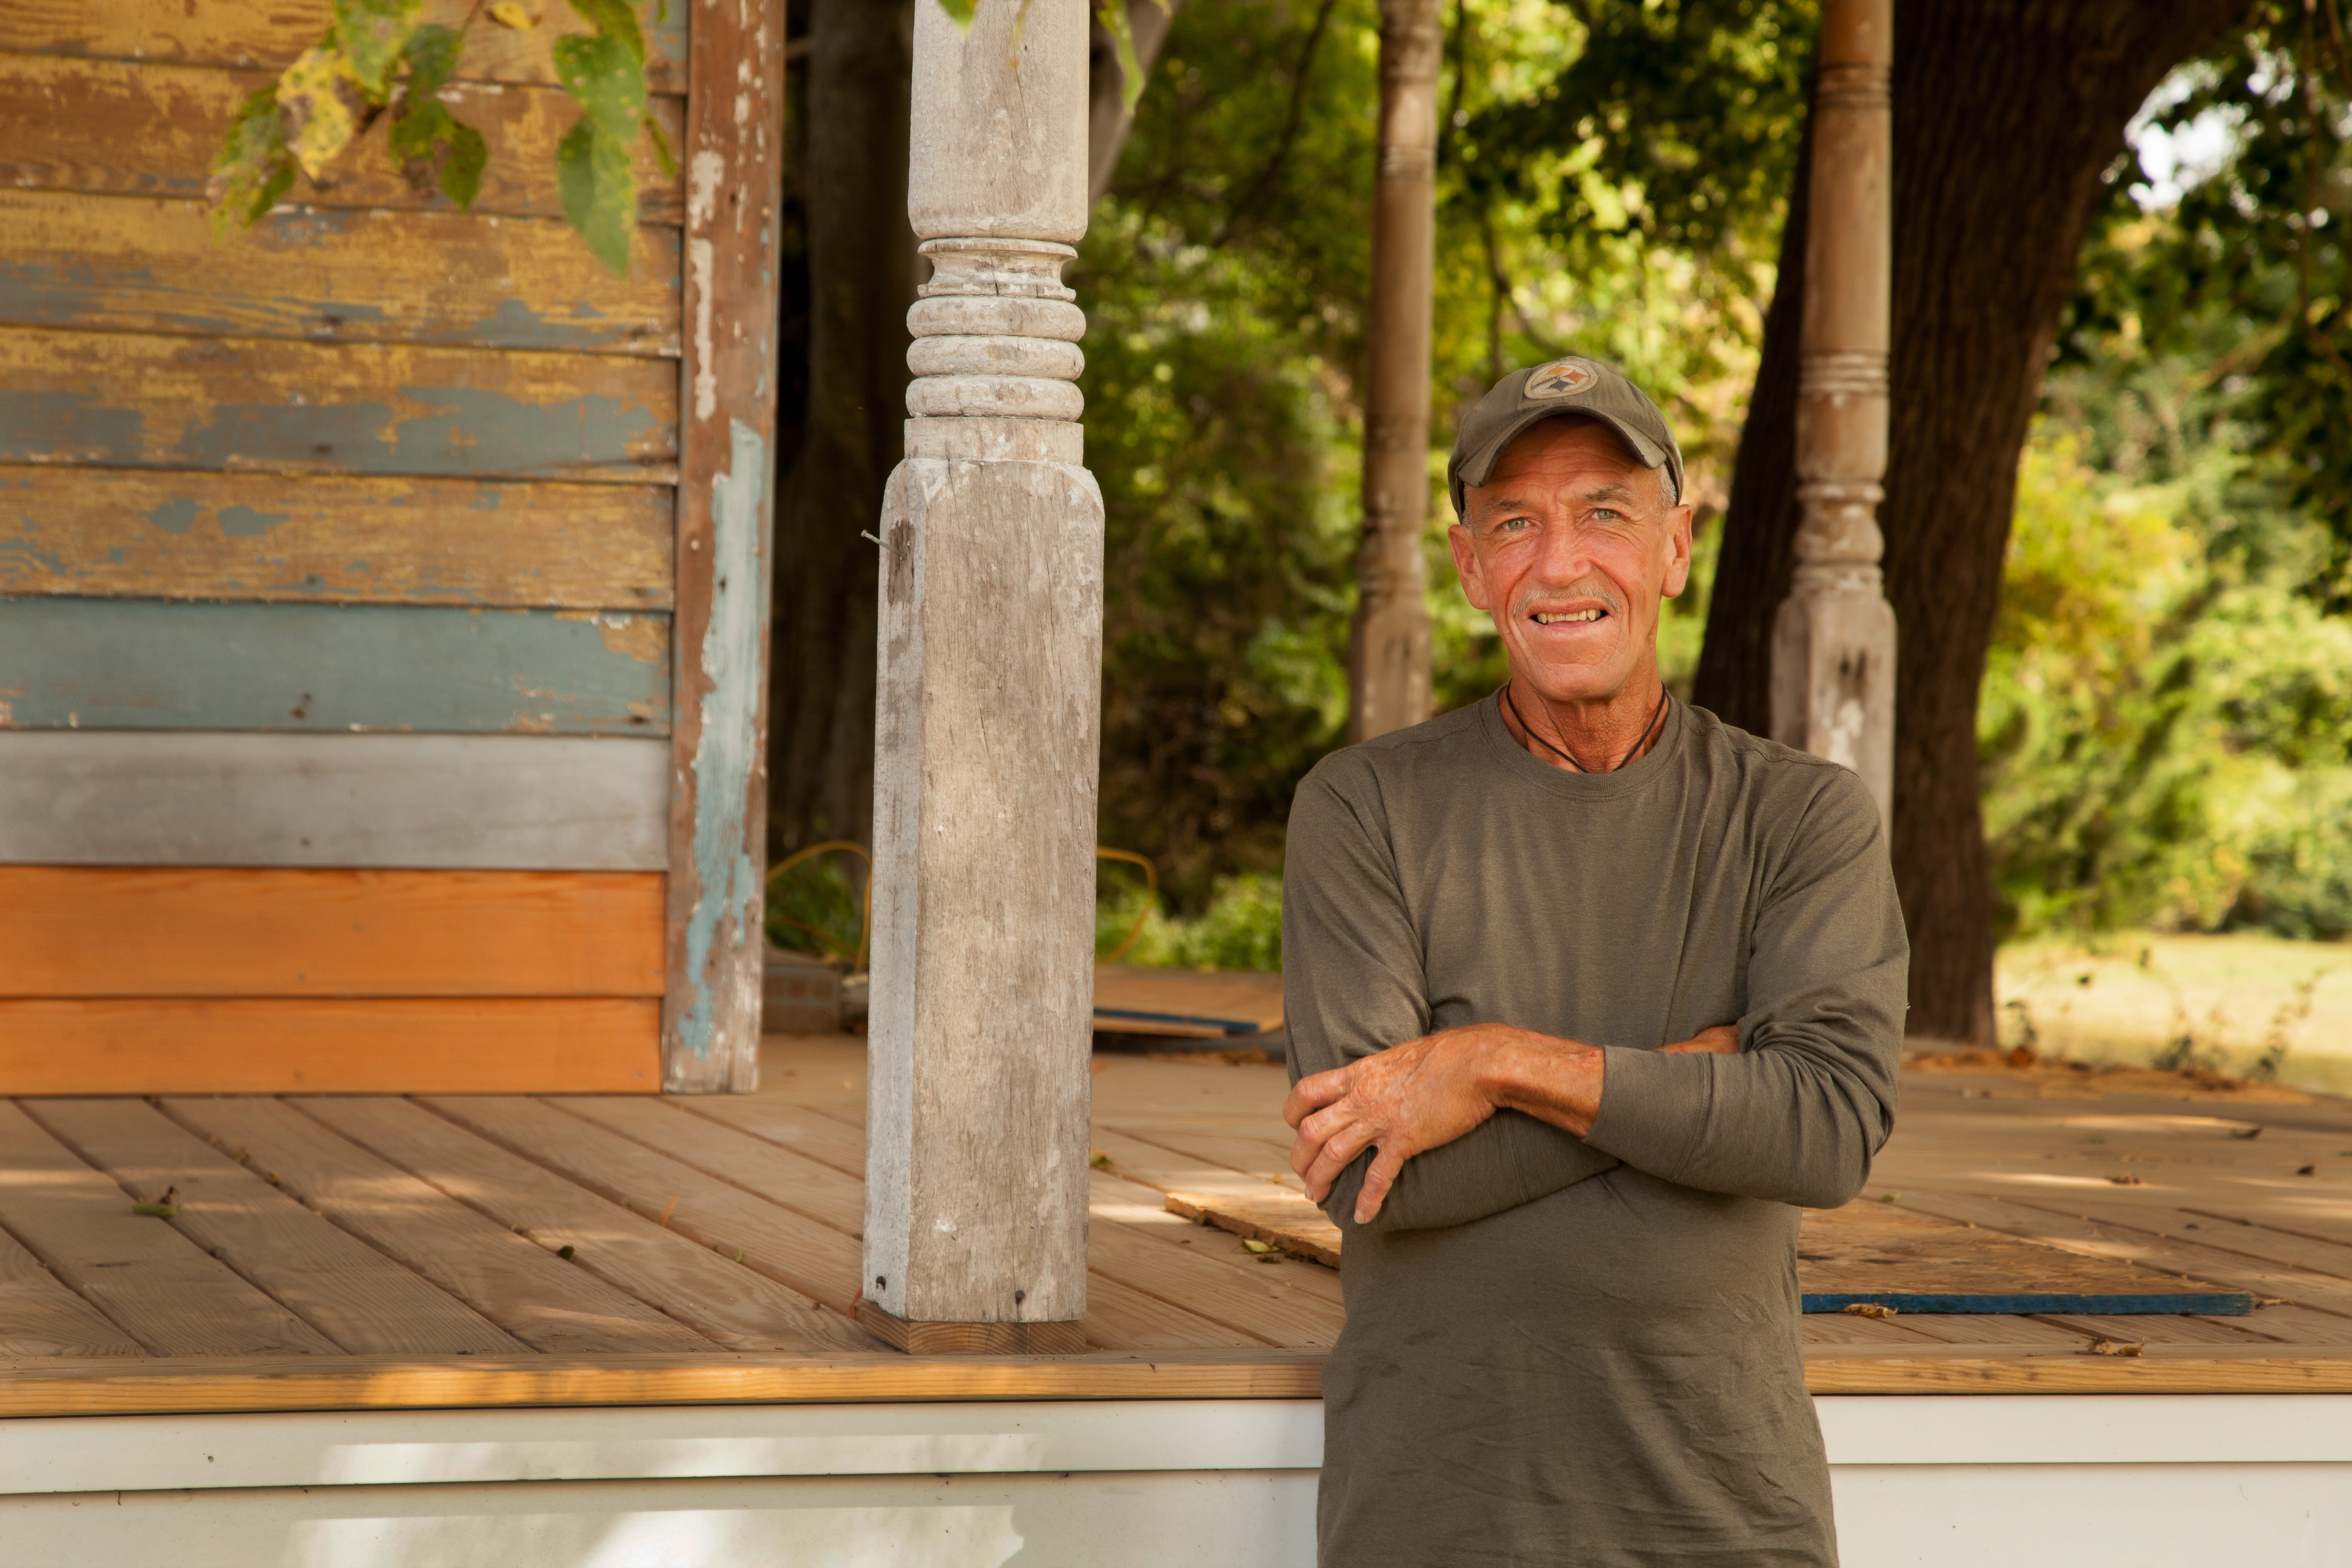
1571 547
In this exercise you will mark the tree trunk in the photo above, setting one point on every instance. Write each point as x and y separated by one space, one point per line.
1387 645
1107 119
2007 112
862 276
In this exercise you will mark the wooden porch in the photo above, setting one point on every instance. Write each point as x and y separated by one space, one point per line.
486 1252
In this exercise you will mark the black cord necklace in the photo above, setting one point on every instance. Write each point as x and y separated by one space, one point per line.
1638 740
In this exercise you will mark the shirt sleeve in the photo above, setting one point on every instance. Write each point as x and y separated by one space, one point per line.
1353 984
1797 1116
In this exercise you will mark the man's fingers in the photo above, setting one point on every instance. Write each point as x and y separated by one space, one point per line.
1338 1152
1379 1177
1310 1094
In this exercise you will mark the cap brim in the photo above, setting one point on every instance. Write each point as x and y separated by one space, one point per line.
1480 463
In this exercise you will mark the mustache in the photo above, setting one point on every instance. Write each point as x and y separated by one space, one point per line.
1597 588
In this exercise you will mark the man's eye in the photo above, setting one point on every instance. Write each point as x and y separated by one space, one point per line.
1513 523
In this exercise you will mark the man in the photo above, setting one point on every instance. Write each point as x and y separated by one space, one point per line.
1587 992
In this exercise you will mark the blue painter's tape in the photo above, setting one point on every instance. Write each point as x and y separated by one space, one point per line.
145 664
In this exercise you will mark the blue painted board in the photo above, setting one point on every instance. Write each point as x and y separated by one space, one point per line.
145 664
2214 1304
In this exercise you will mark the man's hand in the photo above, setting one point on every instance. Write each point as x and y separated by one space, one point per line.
1427 1092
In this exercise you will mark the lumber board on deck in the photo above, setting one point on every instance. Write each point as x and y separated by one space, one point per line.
60 1387
150 264
724 1302
364 1302
538 1298
262 406
206 798
39 1316
270 33
149 128
1132 999
1283 1220
324 539
2148 1251
2044 1369
1264 1307
269 931
150 1278
151 664
1872 1252
813 1258
473 1044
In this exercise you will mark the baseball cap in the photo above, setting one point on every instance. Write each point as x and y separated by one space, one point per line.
1572 384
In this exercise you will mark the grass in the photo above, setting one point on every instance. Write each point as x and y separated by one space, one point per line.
2245 1003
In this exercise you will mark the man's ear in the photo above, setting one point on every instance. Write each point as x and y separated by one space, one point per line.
1465 566
1678 540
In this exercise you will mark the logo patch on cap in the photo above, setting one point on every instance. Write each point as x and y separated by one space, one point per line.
1561 378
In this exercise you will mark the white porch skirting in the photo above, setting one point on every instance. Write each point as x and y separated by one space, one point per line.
1935 1481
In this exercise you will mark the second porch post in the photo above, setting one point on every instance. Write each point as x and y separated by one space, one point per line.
988 715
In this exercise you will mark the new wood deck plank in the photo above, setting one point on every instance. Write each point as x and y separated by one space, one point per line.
2300 1326
1961 1329
787 1124
2156 1328
2150 1251
2207 1228
790 1248
545 1302
1844 1328
725 1302
735 1157
155 1283
40 1316
364 1302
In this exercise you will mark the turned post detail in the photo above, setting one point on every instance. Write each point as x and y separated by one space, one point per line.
1833 643
987 715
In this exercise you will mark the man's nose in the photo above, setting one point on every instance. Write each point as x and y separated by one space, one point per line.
1563 558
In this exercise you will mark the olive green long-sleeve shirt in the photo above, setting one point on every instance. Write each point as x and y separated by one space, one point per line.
1565 1350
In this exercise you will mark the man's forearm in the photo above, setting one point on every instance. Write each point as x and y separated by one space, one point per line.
1552 1080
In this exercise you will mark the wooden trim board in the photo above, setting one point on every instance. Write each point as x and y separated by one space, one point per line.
151 664
523 1045
160 797
104 932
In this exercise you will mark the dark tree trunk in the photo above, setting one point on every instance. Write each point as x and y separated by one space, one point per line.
861 276
2007 114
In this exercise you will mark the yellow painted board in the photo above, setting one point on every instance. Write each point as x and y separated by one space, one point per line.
148 264
272 32
144 128
482 545
261 406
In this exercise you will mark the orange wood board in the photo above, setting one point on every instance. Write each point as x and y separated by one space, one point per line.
390 1045
111 932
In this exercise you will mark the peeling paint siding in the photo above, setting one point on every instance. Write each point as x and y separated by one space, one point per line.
733 647
143 127
126 533
258 405
129 664
138 264
270 33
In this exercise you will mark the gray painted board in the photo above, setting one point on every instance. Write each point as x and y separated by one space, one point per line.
131 664
520 803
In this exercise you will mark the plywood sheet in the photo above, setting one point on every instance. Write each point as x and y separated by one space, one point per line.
138 664
100 931
146 127
165 797
270 33
259 405
141 264
1134 1000
379 1045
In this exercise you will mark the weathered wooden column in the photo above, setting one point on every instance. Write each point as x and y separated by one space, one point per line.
1387 645
716 927
988 715
1834 644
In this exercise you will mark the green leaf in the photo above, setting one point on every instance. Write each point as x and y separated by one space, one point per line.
461 177
431 58
374 32
615 19
253 168
599 192
434 148
1112 14
157 1211
961 12
607 80
662 154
